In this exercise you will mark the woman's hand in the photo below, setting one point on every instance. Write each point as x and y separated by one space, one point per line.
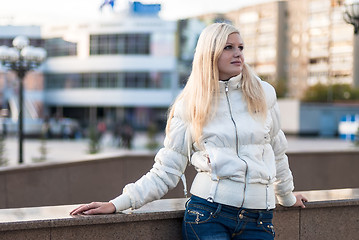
300 200
94 208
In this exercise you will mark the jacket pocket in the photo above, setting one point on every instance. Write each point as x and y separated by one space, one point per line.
200 160
226 164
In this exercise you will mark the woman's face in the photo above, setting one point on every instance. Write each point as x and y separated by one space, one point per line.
230 62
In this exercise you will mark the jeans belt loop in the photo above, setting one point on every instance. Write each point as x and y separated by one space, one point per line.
218 210
259 220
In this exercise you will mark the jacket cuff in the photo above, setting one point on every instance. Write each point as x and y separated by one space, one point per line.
122 202
287 200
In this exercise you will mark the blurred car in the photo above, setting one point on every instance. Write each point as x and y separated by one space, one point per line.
56 128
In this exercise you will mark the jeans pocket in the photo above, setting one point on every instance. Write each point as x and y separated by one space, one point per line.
269 228
197 214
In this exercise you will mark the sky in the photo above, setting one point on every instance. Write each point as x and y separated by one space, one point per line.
39 12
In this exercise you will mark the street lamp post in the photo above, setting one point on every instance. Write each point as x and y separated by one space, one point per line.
21 58
351 16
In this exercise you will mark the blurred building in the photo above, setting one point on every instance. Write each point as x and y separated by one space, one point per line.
321 44
264 31
294 44
121 68
187 37
299 42
129 66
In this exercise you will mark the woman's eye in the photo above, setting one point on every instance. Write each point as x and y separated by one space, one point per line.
229 47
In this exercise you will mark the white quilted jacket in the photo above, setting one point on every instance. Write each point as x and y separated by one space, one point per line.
243 164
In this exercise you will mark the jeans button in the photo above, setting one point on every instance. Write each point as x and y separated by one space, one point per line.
241 214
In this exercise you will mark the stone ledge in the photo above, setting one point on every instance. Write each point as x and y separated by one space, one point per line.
162 219
58 216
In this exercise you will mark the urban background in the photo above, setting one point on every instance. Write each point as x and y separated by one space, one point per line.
113 79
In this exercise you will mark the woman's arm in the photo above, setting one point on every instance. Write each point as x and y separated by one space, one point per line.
284 185
170 164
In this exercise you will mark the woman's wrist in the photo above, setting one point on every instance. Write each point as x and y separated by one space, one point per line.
122 202
287 200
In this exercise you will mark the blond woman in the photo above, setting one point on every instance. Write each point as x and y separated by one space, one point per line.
226 124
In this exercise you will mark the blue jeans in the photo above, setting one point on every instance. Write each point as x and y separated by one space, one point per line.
206 220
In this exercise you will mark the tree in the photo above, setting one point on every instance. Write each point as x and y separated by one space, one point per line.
152 144
331 93
42 149
94 141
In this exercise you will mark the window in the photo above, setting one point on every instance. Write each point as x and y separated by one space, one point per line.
120 44
144 80
54 81
87 80
112 81
136 80
58 47
102 80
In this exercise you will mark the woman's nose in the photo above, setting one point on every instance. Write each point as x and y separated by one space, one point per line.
237 52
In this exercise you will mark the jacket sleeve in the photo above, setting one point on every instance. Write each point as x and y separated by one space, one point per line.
284 184
170 164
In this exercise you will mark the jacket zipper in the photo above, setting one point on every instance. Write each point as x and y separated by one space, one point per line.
237 143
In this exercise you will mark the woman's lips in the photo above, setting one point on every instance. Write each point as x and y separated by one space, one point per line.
236 63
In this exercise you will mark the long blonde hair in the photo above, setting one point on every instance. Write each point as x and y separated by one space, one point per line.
202 87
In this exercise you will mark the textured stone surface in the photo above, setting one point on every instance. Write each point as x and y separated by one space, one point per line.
330 223
38 186
3 194
32 234
323 218
324 170
58 216
286 224
157 220
330 195
155 229
87 181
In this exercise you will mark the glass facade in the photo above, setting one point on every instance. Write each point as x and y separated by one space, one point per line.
120 44
57 47
144 80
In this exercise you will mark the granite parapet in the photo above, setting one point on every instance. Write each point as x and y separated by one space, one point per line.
328 215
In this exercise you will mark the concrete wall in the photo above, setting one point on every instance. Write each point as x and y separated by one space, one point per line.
289 117
322 219
324 170
47 184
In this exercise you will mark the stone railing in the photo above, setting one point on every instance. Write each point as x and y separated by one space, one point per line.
329 215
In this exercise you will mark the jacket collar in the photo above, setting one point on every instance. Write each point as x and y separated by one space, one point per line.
233 83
